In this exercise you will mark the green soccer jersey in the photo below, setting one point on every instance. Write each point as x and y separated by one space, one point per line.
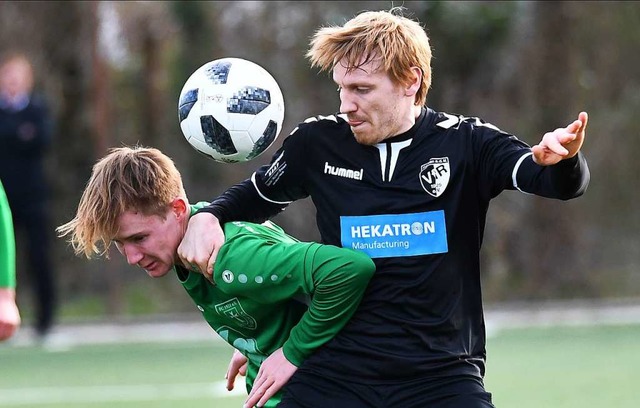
7 244
274 291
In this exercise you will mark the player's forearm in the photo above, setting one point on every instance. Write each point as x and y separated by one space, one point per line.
571 177
241 203
340 279
565 180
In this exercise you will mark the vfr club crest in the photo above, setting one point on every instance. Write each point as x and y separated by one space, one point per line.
434 176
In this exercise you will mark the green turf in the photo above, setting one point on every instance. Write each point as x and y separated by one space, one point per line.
171 368
579 367
554 367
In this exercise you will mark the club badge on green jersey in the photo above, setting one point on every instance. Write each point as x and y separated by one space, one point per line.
232 309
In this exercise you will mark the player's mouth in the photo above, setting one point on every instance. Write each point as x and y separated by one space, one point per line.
148 268
355 123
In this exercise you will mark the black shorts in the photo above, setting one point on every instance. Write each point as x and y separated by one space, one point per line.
309 390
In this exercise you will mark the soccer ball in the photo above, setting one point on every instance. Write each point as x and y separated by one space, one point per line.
231 110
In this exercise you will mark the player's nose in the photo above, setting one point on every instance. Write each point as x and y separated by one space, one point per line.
133 255
346 103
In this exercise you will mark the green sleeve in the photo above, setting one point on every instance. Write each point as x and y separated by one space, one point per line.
270 267
7 244
340 277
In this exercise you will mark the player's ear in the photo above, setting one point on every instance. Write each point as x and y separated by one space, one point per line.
412 87
179 207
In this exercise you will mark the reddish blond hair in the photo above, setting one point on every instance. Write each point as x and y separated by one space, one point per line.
399 42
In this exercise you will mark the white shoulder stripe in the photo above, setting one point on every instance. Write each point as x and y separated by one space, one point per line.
332 118
514 179
253 180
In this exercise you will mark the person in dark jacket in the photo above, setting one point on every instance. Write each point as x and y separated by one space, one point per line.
25 135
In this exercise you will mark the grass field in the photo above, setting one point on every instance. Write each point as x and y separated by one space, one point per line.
567 367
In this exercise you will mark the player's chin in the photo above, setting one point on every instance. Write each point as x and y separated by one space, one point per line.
158 270
366 138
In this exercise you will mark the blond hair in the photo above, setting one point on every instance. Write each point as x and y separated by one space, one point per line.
128 178
401 43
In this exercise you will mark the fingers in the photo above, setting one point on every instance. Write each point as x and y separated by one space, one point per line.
7 330
237 365
9 314
584 118
231 374
231 380
574 127
562 143
273 374
261 392
579 125
200 245
555 141
211 262
206 266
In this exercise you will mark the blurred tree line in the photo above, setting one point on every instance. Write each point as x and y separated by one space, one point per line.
112 72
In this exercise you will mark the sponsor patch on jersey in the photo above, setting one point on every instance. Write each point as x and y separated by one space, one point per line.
389 235
342 172
434 176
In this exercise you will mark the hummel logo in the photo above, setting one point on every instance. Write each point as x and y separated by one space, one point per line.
340 172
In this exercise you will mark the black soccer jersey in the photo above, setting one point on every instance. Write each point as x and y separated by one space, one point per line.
416 203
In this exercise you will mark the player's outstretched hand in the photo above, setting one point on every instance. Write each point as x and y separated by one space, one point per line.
274 372
237 365
201 243
562 143
9 314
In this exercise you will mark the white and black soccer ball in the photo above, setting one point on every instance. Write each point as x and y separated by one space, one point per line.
231 110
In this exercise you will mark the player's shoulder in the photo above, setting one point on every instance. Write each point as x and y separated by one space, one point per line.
451 123
248 231
320 124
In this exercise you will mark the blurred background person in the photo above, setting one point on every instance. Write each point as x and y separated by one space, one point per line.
9 315
25 135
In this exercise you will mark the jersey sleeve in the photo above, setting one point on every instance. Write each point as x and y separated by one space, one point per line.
270 189
565 180
505 162
7 244
283 180
272 271
496 154
242 202
340 277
